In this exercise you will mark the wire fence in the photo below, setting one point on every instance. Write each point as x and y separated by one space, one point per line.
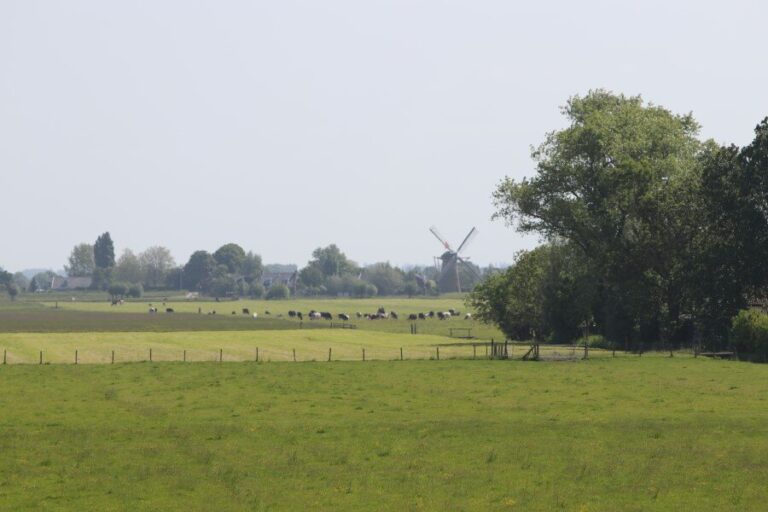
453 351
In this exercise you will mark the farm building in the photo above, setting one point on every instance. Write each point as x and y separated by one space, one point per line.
70 283
286 278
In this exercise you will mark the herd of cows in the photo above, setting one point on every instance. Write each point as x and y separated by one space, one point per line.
380 314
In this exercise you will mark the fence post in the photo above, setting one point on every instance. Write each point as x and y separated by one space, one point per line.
294 355
113 357
5 356
221 354
474 351
329 355
586 350
257 354
185 356
437 351
41 357
401 353
150 355
363 354
75 356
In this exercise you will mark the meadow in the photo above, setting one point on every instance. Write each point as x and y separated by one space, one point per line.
609 434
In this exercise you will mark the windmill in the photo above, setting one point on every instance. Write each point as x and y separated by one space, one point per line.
449 280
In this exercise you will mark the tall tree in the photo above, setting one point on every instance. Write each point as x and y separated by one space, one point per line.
156 263
80 262
199 270
252 267
128 268
230 255
104 251
331 261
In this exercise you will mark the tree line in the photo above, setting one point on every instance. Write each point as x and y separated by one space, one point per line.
651 235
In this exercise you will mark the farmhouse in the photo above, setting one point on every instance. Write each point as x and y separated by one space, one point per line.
287 278
70 283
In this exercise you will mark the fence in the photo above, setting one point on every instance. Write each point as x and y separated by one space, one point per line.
465 351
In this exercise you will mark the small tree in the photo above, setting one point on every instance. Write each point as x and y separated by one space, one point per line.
33 285
135 291
117 290
256 290
13 291
278 291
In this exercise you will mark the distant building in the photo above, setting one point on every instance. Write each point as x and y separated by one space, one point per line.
71 283
287 278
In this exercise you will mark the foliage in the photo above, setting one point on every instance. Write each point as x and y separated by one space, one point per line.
749 334
156 264
230 255
256 290
221 286
128 268
387 279
33 287
135 291
104 251
13 290
278 291
198 270
80 262
117 290
330 261
252 267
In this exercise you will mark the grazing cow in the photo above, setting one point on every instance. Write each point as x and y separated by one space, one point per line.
359 314
413 316
468 316
169 310
291 314
452 311
299 315
246 311
444 315
267 312
393 315
431 314
422 316
234 312
314 315
153 310
381 310
326 315
344 317
255 315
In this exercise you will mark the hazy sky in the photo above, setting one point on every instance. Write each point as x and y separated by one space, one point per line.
284 126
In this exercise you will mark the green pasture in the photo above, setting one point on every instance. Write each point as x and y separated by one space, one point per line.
279 311
609 434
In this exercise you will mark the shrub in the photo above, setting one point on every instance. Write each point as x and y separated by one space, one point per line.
749 333
256 290
135 291
278 291
594 341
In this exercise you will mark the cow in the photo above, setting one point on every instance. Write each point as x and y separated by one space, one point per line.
291 313
326 315
234 312
246 311
381 310
393 315
359 314
255 315
413 316
153 310
452 312
444 315
267 312
431 314
344 317
468 316
422 316
314 315
169 310
299 315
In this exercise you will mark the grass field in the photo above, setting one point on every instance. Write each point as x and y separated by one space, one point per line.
613 434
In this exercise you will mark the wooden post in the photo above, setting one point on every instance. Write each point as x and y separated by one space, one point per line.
329 355
401 353
474 351
486 350
113 357
363 354
294 355
5 356
437 351
41 357
257 354
586 350
150 355
221 354
185 356
75 356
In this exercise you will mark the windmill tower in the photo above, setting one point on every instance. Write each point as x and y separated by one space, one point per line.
448 280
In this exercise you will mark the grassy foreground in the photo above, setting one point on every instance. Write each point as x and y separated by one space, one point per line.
623 434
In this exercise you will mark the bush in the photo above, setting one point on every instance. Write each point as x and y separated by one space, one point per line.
135 291
117 290
594 341
256 290
749 334
278 291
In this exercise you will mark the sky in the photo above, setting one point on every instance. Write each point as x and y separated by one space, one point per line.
286 126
